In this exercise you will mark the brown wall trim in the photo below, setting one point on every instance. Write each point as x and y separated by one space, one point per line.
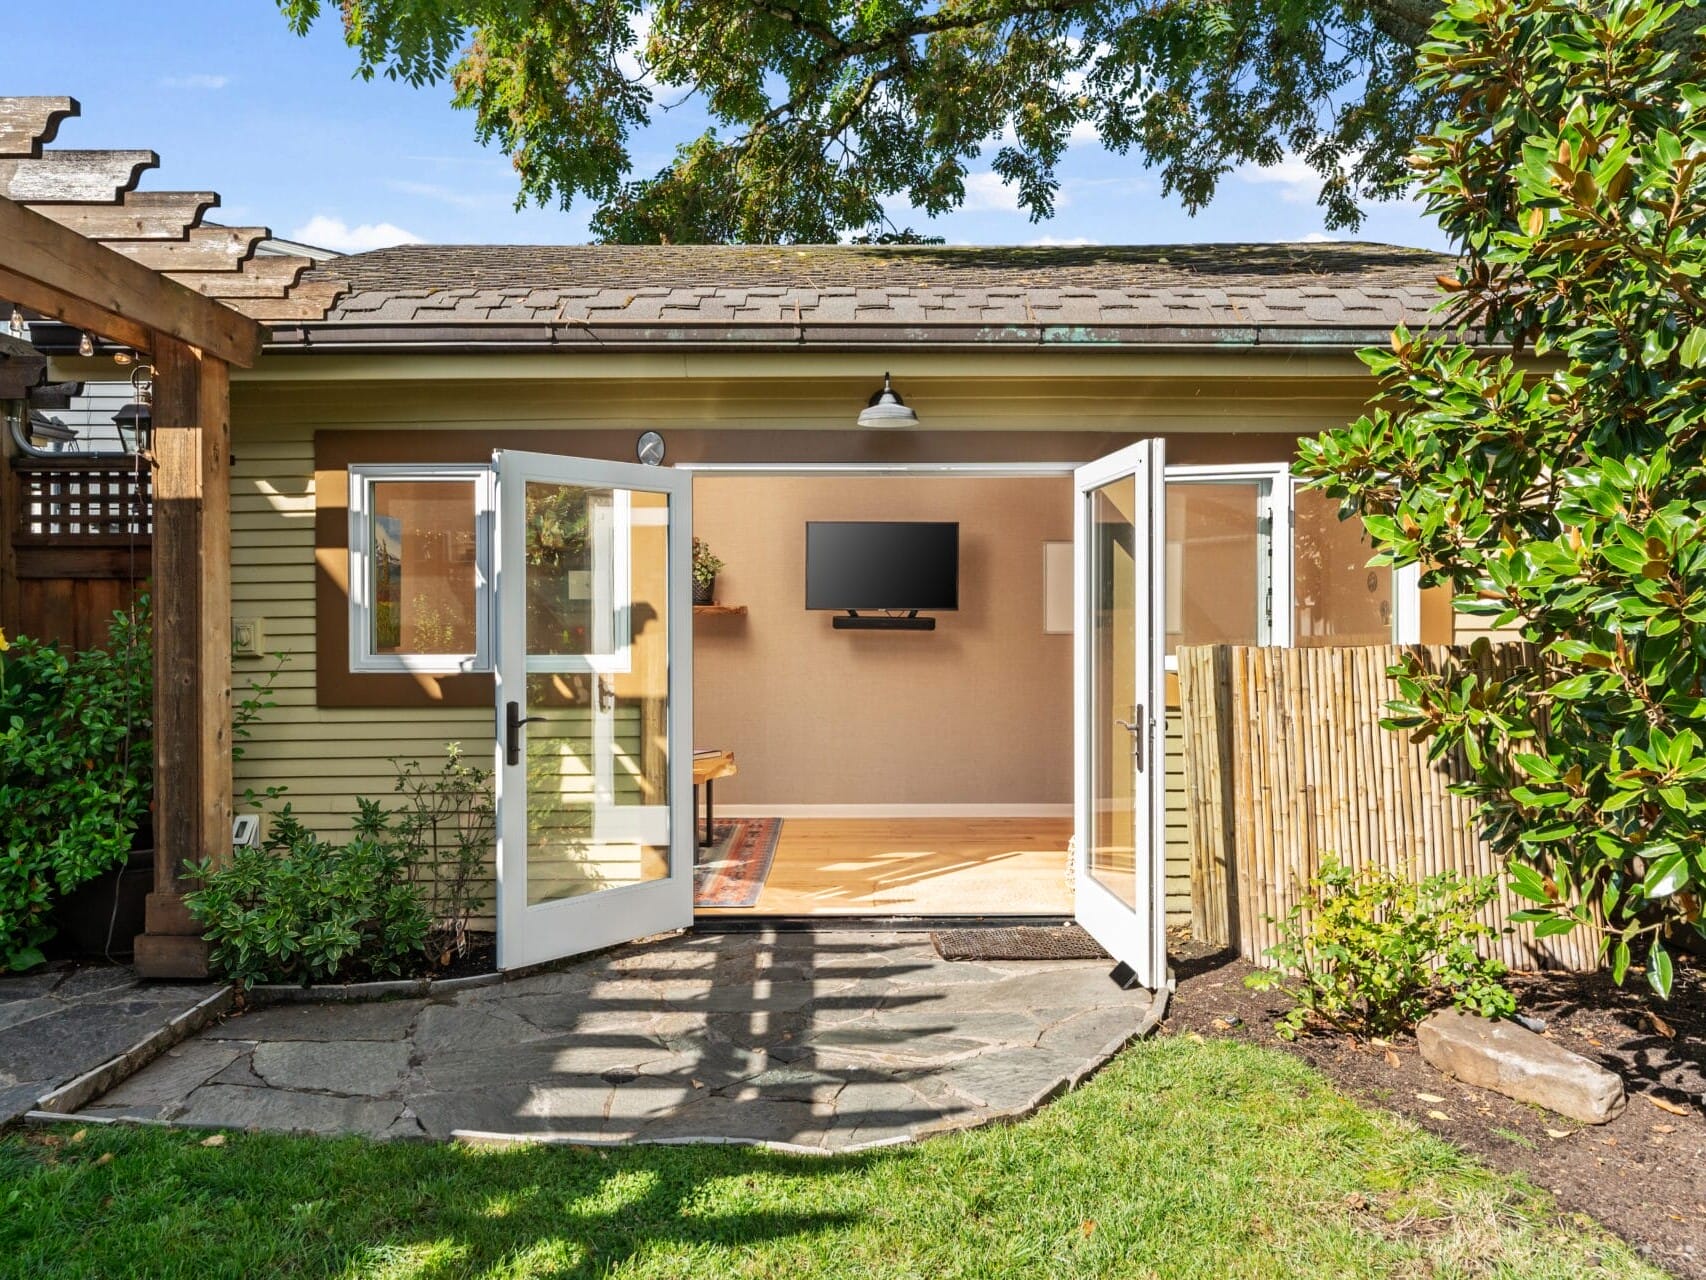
335 451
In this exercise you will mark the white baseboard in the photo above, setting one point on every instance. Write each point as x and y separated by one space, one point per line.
894 810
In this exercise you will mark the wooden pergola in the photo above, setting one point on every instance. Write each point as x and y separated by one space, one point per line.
79 244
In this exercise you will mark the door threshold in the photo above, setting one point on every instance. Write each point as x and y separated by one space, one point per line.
867 924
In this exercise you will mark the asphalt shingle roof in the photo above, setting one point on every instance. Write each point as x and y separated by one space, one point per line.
862 294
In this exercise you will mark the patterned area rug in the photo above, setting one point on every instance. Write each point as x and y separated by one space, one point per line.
730 872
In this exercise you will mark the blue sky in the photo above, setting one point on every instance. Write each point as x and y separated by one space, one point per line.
280 127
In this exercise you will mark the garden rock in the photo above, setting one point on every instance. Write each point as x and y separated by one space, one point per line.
1516 1062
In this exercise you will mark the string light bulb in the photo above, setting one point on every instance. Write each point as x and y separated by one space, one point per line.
85 346
17 321
122 358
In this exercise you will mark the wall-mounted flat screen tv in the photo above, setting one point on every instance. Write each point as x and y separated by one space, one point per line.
882 564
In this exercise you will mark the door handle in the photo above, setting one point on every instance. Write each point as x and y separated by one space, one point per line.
1137 727
606 693
513 720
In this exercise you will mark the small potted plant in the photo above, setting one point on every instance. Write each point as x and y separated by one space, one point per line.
705 566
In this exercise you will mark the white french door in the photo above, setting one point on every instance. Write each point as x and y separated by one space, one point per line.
591 571
1119 691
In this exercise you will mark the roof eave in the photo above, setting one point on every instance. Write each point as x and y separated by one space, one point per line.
606 336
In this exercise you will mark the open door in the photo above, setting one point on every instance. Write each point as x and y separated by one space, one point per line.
594 704
1119 540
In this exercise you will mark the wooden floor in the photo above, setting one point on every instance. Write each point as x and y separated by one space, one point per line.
916 866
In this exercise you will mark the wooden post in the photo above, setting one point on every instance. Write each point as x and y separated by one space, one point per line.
9 498
192 645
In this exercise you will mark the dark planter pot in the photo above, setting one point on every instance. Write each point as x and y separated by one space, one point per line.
103 916
705 592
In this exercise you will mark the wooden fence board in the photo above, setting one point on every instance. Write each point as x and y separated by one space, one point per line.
1286 765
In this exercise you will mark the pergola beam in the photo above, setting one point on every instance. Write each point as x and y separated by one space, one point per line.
96 177
203 249
53 270
307 301
269 276
26 124
141 215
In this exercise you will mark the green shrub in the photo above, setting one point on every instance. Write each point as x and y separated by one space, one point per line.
302 909
1369 951
76 772
1549 466
445 832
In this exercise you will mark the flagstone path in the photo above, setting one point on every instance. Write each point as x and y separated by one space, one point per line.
822 1041
61 1020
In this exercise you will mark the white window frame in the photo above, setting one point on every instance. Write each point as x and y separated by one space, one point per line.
362 658
612 608
1276 507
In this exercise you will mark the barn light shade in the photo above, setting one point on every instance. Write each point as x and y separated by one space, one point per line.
886 409
135 422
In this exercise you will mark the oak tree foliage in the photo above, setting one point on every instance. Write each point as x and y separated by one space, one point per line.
822 110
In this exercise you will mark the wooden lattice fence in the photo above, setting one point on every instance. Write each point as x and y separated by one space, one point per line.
78 535
1286 765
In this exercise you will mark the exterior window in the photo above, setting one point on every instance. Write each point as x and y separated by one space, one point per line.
1337 599
1254 558
1217 560
420 568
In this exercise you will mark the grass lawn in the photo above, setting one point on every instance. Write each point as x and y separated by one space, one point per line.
1183 1158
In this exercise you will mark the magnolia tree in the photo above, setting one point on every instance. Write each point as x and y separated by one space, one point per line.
1543 455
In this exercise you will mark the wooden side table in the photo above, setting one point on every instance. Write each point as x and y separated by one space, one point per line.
708 766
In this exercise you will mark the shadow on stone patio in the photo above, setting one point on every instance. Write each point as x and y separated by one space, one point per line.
821 1041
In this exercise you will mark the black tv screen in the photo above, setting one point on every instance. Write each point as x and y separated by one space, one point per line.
891 564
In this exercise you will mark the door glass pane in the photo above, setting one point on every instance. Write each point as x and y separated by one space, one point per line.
1114 582
423 584
1216 558
1339 599
574 603
598 757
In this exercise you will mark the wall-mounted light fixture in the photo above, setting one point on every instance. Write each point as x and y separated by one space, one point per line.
135 421
886 409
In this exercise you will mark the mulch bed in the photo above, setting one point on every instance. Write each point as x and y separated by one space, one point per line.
1643 1175
481 957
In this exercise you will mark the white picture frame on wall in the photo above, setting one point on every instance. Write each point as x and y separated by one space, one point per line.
1057 588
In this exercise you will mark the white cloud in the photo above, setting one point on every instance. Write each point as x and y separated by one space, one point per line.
1298 183
197 81
450 195
1060 242
334 233
987 192
631 61
1317 237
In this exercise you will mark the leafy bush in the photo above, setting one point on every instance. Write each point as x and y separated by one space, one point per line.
302 909
76 772
1569 499
1369 951
445 834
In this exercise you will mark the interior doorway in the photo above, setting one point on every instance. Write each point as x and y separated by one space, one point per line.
888 772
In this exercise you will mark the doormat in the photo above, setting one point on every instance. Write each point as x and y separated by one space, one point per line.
730 872
1020 942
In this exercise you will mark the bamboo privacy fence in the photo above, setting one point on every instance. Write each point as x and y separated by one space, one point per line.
1286 766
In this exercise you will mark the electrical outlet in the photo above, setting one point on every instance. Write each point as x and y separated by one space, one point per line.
246 640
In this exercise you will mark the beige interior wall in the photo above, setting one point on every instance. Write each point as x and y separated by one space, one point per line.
976 712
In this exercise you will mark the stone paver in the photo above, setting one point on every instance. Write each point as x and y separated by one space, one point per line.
62 1020
827 1040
